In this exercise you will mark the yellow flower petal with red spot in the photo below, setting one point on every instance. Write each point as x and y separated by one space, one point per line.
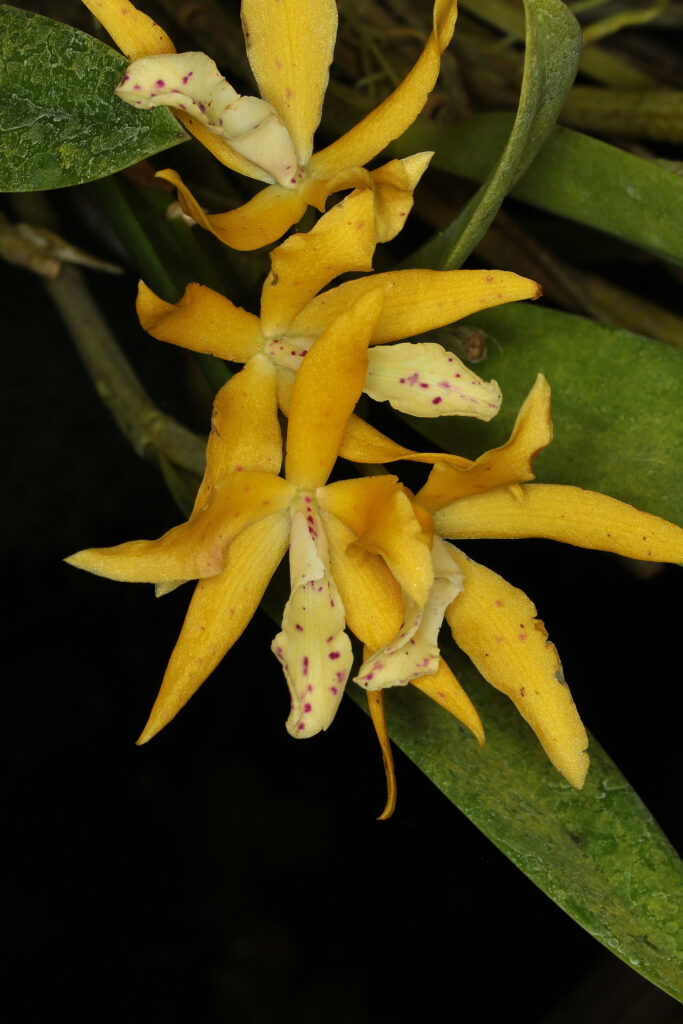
495 624
290 46
218 615
444 689
343 240
202 321
195 549
568 514
391 118
135 34
419 300
259 222
383 521
509 464
326 388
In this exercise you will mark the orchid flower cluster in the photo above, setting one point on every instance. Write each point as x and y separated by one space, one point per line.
365 553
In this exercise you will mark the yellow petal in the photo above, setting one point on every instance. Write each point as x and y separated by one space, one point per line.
316 191
203 321
290 46
262 220
394 185
326 388
363 443
495 624
370 594
341 241
391 118
509 464
444 688
376 708
195 549
419 300
218 614
383 521
134 33
568 514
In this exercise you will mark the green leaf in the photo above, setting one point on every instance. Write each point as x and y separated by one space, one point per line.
60 122
573 176
616 405
597 853
551 57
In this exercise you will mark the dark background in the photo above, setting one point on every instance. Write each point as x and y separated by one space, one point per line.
226 872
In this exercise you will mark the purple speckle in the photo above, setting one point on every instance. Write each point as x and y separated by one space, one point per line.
299 628
160 83
307 708
301 726
369 676
304 666
435 401
187 77
333 689
136 87
340 677
333 655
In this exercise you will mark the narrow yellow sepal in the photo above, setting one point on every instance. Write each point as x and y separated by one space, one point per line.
202 321
495 624
135 34
218 615
290 46
391 118
343 240
262 220
383 521
364 443
509 464
444 688
568 514
376 708
327 387
419 300
196 549
394 184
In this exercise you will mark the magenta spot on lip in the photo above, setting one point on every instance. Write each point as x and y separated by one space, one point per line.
333 655
301 726
340 677
160 83
333 689
137 86
369 676
309 688
187 77
126 77
300 628
304 666
307 708
435 401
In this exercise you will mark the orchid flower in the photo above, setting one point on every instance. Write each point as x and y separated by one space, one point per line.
355 545
494 623
418 378
290 46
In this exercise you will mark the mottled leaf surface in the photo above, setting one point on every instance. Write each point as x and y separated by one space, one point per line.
60 122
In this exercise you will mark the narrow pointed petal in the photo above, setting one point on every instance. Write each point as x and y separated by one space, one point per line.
444 688
423 379
419 300
364 443
394 185
262 220
391 118
135 34
290 46
218 615
495 624
313 647
202 321
371 596
195 549
509 464
376 708
384 522
414 651
326 389
568 514
343 240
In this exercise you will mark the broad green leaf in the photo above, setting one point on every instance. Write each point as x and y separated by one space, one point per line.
597 853
60 122
551 57
616 407
573 176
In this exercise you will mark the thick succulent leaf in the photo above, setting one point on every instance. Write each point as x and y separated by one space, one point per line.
597 853
551 57
616 401
574 176
60 122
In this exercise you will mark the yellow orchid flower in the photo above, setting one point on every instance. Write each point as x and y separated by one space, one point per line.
419 378
357 540
290 46
494 623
